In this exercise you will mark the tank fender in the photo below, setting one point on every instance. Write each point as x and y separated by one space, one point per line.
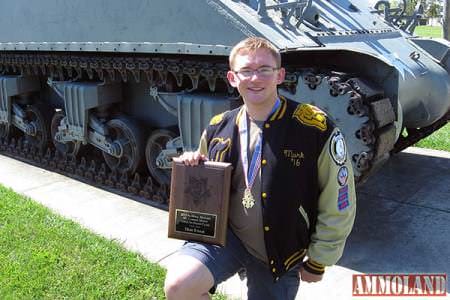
376 68
439 49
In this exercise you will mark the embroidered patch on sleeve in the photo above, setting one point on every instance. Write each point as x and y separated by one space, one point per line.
311 116
342 175
338 149
343 201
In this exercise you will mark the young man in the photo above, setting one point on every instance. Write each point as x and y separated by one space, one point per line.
292 191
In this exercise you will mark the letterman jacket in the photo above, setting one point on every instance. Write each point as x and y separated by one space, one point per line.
307 187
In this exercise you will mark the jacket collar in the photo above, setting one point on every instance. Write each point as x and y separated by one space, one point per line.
278 114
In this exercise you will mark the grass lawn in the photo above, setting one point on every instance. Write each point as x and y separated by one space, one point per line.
440 140
44 256
429 31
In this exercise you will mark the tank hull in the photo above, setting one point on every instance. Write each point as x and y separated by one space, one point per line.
131 84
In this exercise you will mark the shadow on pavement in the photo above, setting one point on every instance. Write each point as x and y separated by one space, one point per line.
403 218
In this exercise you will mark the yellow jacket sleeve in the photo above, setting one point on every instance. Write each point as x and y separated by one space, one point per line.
336 207
203 145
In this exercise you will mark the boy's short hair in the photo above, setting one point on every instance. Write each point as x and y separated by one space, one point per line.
251 44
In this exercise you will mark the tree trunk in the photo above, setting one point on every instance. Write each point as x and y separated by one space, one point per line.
446 20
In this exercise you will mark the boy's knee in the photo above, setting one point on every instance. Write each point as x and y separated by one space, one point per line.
173 288
187 278
184 288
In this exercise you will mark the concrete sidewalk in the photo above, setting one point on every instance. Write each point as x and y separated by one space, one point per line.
143 228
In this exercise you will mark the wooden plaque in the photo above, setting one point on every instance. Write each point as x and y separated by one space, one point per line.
199 200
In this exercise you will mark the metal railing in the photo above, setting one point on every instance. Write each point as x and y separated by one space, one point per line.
288 9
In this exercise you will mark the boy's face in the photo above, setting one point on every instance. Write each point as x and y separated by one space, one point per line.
256 88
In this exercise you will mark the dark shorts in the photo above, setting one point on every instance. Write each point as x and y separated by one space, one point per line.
224 262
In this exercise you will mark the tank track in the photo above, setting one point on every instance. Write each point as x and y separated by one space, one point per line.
118 67
138 187
359 99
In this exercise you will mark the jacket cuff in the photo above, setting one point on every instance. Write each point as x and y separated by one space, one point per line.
314 267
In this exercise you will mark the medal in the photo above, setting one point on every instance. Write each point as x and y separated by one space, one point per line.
248 201
250 172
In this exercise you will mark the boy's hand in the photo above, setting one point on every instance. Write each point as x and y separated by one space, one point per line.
309 277
190 158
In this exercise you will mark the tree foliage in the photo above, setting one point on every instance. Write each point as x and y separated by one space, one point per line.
433 8
410 6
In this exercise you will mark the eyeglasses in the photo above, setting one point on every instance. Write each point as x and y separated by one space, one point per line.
262 72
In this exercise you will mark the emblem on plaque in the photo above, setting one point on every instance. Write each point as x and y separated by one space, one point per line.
197 190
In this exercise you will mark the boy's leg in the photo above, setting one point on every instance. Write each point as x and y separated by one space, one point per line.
261 284
187 278
200 267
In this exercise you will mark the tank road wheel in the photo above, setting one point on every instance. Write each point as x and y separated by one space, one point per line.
4 130
155 144
127 133
9 131
68 148
38 117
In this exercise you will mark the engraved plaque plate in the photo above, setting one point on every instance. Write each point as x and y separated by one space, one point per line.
195 223
199 199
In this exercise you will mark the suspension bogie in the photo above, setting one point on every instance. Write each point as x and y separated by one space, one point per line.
22 112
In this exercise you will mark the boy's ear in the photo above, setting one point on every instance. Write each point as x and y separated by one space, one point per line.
231 76
281 75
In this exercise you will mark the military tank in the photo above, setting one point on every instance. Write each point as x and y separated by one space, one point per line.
109 91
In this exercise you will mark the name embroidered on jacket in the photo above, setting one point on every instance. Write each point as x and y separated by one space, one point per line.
310 116
295 157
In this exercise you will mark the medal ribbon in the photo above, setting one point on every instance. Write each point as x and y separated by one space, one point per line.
251 171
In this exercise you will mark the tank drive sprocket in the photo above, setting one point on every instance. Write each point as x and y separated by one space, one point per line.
353 105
